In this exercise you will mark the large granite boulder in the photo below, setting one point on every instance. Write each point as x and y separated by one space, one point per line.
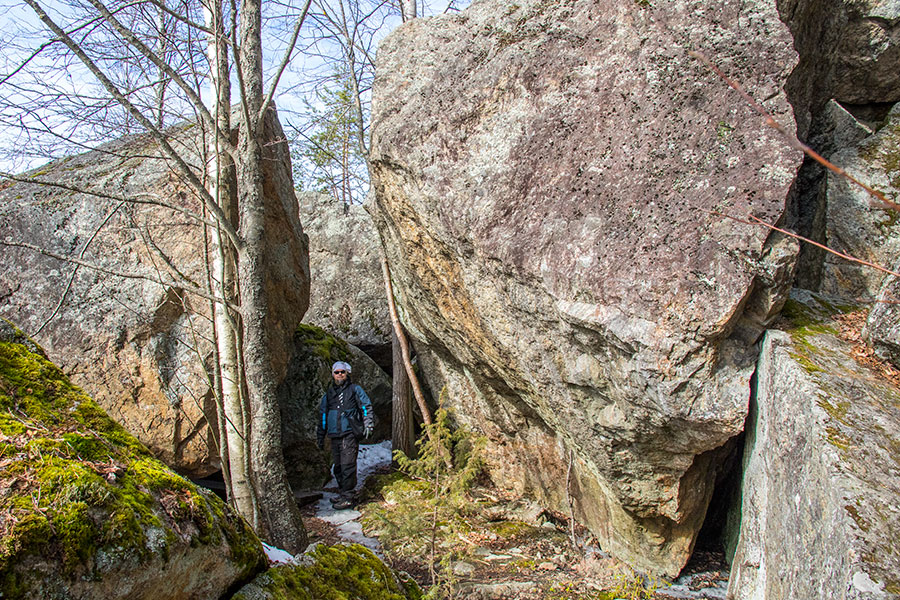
856 223
819 512
309 375
882 330
550 180
89 513
140 345
347 296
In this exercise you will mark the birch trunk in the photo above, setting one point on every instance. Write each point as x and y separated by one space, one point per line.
222 187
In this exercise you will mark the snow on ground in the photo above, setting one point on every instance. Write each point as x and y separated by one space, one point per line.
371 457
277 556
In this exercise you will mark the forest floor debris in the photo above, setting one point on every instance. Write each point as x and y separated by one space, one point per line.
498 547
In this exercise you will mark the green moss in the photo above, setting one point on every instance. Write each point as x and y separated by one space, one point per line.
76 531
837 411
806 362
9 425
857 518
85 484
376 484
836 438
507 529
321 343
335 573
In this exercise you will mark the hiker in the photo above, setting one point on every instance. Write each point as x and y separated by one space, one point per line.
345 416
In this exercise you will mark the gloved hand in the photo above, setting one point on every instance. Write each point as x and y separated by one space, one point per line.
320 443
367 430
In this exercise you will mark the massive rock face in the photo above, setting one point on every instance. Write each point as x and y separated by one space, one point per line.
140 346
819 511
347 295
849 51
128 341
855 222
550 182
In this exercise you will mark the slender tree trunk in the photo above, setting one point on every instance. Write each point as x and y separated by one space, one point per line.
404 346
401 413
280 522
408 9
222 187
279 518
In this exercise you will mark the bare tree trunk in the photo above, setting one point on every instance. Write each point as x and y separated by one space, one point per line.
404 346
408 10
401 413
222 187
279 518
280 522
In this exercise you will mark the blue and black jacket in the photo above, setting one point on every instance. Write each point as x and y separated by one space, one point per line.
341 405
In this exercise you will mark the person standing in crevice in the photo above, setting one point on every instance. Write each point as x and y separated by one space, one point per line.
345 416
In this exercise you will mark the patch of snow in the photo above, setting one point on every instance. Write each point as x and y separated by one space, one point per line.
371 458
682 589
277 556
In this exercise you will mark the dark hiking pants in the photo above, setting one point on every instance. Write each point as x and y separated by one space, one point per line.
343 453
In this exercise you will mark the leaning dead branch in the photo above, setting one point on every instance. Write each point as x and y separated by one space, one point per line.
790 137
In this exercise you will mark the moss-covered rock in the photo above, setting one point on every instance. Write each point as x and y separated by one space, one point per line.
341 572
88 512
820 482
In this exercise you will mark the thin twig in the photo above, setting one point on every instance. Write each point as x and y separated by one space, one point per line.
284 63
107 271
754 220
791 138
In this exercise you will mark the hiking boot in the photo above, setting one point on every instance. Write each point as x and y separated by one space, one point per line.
342 504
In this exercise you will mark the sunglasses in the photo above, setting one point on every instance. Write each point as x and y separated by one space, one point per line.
340 372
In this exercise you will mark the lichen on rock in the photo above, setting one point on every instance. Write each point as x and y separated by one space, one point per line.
549 180
820 469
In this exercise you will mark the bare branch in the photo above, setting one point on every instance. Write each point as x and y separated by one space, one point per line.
179 17
105 196
791 139
65 293
192 95
754 220
284 61
107 271
160 138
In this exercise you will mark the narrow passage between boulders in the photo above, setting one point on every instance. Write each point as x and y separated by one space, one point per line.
372 458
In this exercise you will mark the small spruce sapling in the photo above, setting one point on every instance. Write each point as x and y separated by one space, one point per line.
450 460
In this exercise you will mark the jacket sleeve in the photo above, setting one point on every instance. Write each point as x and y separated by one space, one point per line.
320 422
365 405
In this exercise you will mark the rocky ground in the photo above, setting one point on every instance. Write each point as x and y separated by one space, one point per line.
502 548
